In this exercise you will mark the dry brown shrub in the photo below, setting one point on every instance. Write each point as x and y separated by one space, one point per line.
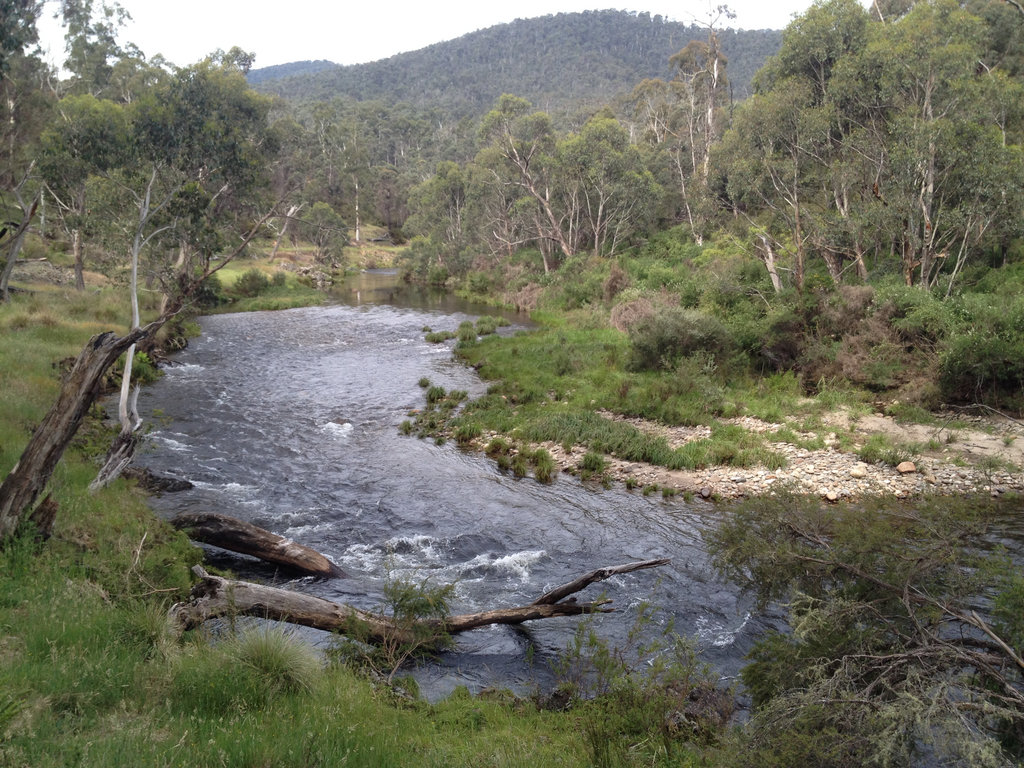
873 356
849 305
629 313
525 299
616 283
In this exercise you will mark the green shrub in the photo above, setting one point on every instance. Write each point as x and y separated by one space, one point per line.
466 433
984 360
645 702
282 660
144 370
437 275
467 332
489 324
878 448
593 464
520 465
498 447
251 283
414 611
658 342
210 293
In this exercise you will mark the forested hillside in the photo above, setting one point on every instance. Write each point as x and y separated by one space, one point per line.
564 63
292 69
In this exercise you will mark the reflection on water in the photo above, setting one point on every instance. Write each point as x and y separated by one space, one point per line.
290 420
384 286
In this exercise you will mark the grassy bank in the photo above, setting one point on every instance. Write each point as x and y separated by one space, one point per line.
673 335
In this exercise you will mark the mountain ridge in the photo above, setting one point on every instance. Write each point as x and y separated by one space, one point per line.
560 62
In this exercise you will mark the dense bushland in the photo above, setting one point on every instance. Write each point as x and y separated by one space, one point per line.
708 316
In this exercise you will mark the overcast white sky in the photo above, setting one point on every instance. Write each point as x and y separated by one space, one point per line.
357 31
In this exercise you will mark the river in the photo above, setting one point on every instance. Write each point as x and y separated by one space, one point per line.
290 420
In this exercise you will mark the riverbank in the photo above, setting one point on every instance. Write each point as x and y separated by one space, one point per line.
973 461
567 391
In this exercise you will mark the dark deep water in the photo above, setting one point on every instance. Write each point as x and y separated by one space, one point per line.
289 420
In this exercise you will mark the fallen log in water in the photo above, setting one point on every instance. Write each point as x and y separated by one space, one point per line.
215 596
239 536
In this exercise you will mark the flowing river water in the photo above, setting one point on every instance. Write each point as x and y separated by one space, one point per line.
290 420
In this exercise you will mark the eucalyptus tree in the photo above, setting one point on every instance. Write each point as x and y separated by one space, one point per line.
946 160
17 29
881 141
345 164
607 193
92 46
202 145
323 227
290 174
683 119
439 213
519 154
88 137
798 152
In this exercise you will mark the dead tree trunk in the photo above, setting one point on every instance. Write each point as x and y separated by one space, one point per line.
768 257
78 390
214 596
238 536
17 239
292 211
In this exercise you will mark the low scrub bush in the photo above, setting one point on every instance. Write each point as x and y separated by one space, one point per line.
413 611
467 432
648 701
879 449
544 468
251 283
210 293
657 342
489 324
984 360
593 463
437 337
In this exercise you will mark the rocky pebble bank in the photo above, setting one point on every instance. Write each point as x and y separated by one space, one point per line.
831 473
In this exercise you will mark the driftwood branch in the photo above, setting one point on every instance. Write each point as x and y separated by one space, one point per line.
239 536
215 596
559 593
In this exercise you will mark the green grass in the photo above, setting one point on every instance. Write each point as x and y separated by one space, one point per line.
550 383
880 449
